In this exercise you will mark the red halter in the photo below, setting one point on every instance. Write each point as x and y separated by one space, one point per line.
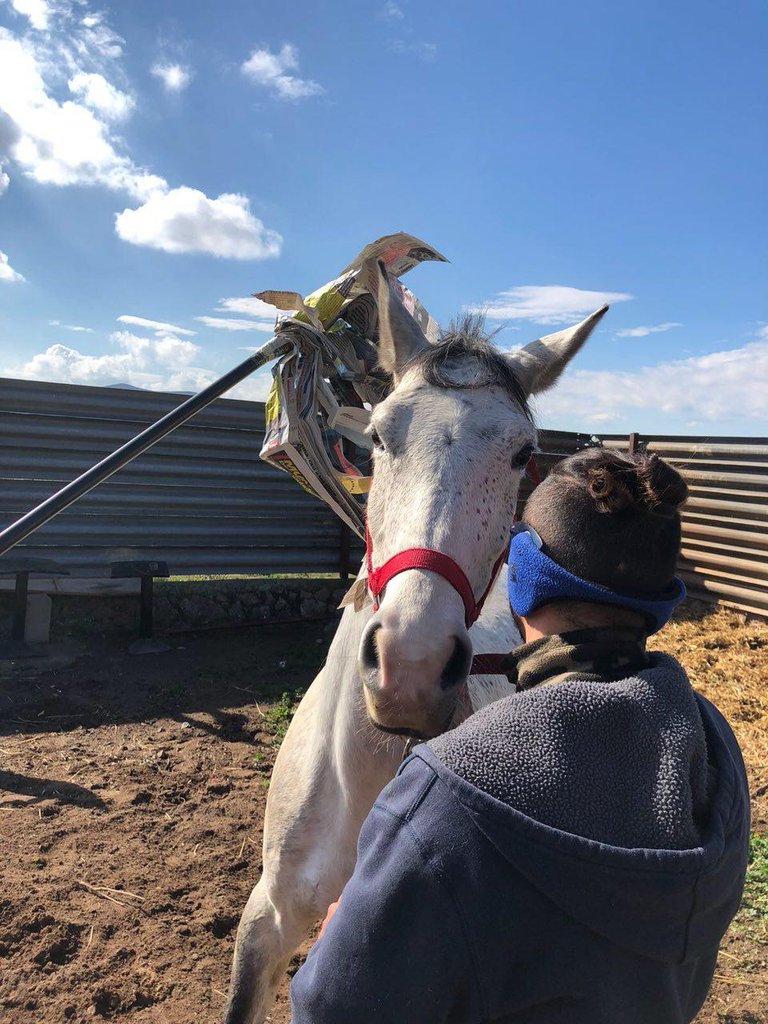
443 565
434 561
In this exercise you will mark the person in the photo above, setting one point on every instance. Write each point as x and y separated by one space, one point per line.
573 853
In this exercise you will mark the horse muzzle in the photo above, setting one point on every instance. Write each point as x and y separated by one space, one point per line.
407 693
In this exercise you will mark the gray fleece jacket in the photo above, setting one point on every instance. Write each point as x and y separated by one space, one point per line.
623 762
572 854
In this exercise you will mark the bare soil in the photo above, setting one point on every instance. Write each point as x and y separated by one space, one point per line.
132 792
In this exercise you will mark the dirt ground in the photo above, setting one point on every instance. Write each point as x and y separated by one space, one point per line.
132 790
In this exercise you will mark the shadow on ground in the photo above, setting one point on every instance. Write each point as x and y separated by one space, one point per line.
213 672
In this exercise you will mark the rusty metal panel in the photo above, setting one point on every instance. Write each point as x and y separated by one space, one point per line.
201 499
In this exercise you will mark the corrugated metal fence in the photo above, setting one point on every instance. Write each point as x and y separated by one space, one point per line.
203 501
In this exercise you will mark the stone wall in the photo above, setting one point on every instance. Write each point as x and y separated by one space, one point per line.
190 604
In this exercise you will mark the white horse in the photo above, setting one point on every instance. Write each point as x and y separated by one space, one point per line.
450 443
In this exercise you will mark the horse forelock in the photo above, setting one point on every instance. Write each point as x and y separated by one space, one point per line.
465 358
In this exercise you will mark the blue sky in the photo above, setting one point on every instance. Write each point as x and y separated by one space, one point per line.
162 161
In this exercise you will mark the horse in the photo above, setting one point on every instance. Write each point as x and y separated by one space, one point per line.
450 442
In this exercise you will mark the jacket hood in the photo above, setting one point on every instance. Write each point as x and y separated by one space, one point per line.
679 902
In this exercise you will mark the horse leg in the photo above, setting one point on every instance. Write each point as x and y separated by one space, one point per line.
329 770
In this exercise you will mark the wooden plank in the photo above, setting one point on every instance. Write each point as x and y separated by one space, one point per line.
75 587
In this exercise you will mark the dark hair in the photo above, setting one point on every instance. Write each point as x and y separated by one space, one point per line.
611 518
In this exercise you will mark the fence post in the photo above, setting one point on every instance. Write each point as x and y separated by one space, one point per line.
632 443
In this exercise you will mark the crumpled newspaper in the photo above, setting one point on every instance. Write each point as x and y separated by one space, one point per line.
324 388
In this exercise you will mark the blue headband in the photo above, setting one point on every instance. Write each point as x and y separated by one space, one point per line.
534 579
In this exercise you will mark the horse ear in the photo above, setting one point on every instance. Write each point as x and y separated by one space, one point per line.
400 337
541 362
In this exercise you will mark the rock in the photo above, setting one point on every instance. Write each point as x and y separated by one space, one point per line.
310 608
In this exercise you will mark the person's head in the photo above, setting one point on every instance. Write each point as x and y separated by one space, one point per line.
611 520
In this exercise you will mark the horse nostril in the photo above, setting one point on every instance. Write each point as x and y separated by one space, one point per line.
369 653
457 667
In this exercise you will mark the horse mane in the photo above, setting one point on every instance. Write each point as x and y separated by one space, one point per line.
466 340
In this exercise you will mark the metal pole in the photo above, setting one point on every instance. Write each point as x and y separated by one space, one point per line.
62 499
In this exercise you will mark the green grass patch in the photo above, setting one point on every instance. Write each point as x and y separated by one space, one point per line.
754 905
279 716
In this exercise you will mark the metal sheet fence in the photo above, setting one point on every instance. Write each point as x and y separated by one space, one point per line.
203 501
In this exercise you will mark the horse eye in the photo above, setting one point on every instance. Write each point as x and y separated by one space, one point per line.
376 440
521 460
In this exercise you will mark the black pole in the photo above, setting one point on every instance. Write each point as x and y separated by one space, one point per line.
51 507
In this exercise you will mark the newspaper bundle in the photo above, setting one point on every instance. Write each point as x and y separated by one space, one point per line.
323 390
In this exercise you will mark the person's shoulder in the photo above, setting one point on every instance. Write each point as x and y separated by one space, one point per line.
665 665
421 810
541 739
414 789
529 715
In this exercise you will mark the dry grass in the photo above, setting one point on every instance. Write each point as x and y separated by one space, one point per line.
726 656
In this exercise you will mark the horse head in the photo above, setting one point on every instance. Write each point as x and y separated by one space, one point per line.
451 441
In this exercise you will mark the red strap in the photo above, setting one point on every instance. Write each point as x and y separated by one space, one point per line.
434 561
532 469
443 565
487 665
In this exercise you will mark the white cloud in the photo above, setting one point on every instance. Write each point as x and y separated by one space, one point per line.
269 69
165 350
38 12
7 273
71 327
175 77
155 363
546 304
405 41
60 363
69 139
726 387
186 220
231 324
160 327
158 364
643 332
62 143
254 308
255 388
5 181
423 50
100 95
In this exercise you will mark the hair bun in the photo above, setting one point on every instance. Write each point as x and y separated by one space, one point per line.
664 488
616 482
606 488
